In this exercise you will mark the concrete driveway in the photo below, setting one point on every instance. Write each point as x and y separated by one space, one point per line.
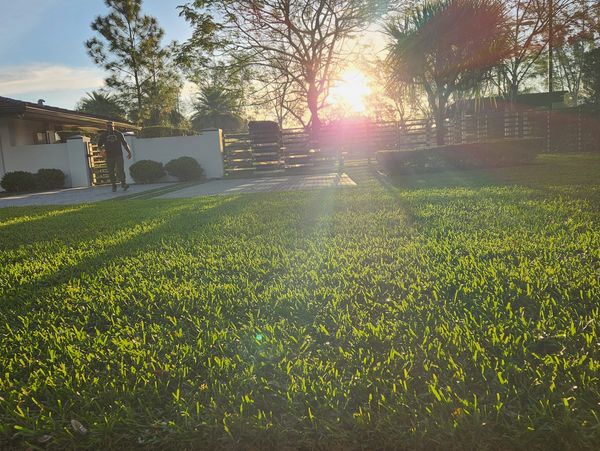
262 185
73 195
174 191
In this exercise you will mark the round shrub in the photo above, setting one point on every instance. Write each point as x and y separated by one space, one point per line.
164 132
185 168
50 179
18 181
147 171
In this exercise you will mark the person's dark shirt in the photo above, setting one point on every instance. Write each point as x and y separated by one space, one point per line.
113 142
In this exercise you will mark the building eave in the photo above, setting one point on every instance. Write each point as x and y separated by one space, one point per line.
64 117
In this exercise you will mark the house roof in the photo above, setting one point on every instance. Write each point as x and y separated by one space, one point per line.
35 111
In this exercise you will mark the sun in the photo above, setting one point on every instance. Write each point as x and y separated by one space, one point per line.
351 91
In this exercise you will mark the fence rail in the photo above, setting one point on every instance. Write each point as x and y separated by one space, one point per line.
569 130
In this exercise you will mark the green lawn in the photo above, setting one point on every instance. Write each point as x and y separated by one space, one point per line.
443 311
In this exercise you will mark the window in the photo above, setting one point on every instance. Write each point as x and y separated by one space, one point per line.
48 137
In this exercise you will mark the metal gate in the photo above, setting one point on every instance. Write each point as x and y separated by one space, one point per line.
98 167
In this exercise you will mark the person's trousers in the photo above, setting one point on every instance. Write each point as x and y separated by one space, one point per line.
116 170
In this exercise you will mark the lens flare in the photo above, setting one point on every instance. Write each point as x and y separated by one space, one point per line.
351 91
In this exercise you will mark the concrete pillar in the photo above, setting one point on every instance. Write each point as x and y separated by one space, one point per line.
216 139
132 141
78 160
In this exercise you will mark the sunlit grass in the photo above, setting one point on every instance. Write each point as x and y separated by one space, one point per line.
393 315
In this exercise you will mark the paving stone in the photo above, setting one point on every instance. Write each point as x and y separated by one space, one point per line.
73 196
211 188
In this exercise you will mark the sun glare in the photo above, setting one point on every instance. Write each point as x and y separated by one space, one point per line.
351 91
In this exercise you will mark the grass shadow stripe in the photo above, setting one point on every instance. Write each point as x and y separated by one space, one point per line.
156 192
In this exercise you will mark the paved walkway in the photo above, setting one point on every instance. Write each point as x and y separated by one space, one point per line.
264 184
73 195
171 191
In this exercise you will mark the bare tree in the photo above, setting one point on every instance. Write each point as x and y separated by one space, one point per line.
574 42
531 26
301 42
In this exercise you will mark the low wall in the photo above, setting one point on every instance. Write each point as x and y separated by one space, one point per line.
206 148
32 158
71 158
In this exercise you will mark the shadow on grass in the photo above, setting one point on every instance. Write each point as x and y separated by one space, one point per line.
179 220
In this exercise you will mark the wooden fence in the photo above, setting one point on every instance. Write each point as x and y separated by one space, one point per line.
571 130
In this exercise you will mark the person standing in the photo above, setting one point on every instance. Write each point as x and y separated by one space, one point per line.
112 142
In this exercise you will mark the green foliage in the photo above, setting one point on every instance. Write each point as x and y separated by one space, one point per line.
101 104
161 95
446 47
591 76
217 107
185 168
18 181
22 181
47 179
462 156
141 71
164 132
437 316
147 171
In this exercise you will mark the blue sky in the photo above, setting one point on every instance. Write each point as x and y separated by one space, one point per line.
41 46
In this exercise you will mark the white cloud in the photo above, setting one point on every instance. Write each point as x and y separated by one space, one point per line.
15 80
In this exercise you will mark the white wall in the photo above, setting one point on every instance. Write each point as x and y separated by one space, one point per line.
71 158
206 148
32 158
4 144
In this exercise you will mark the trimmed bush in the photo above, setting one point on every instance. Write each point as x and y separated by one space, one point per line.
185 168
146 171
18 182
164 132
50 179
508 152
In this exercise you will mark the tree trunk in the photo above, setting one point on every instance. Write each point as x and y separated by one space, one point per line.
313 106
440 125
514 92
138 90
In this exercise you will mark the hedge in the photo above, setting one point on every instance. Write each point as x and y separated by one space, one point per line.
507 152
185 168
164 132
18 182
50 179
23 181
147 171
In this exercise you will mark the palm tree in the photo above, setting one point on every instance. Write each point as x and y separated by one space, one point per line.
446 47
101 104
217 108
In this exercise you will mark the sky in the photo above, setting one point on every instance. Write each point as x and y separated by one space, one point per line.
42 53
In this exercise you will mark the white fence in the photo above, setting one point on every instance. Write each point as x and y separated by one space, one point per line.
206 148
71 158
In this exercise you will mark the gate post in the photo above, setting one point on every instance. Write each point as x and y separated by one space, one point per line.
78 160
131 140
